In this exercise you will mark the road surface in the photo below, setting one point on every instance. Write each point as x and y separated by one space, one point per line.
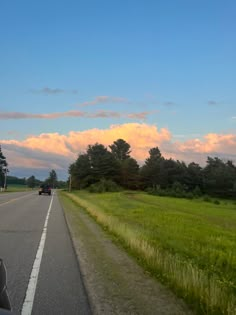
33 225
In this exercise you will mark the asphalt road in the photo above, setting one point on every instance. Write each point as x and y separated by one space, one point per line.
59 286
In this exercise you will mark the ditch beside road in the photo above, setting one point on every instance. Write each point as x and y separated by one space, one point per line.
115 283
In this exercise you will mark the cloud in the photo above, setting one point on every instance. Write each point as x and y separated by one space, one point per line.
213 103
142 115
26 161
104 114
19 115
53 150
140 137
211 143
197 150
74 113
12 133
104 100
169 104
56 151
50 91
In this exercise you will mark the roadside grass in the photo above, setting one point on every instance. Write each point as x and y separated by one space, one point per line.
188 244
16 188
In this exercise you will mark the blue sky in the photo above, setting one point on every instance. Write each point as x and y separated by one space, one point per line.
169 64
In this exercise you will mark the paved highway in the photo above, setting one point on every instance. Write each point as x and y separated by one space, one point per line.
30 226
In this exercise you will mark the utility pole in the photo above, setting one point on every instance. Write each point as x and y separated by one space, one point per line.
5 178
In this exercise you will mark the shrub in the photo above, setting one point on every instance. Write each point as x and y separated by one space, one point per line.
207 199
104 185
197 191
96 188
150 190
178 188
189 195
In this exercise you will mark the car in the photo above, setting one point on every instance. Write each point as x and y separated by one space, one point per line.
45 189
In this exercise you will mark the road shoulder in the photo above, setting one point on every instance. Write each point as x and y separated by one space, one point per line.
115 283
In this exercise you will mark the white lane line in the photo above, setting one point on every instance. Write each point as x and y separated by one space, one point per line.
30 293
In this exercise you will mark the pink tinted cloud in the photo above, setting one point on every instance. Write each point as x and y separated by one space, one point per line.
139 136
45 142
19 115
46 146
211 142
59 150
104 99
141 116
197 150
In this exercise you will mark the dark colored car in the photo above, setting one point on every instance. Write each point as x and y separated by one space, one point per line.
45 189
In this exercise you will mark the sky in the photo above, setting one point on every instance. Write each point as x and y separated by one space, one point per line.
154 73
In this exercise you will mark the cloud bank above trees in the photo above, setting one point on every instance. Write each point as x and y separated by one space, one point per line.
56 151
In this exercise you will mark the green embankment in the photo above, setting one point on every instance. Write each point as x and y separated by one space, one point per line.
189 244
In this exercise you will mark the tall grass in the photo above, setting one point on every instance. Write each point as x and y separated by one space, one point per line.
189 248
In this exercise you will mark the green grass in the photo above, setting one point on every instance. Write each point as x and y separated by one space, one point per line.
16 188
189 244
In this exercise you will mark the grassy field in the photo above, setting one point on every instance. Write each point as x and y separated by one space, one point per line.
15 188
189 244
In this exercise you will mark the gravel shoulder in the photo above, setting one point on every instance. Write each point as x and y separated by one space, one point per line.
115 283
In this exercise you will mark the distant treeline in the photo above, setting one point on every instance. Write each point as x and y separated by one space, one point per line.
12 180
33 182
104 169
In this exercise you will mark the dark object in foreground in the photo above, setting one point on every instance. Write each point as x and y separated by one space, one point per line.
45 189
5 305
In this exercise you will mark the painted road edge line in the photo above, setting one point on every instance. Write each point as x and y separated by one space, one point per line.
30 293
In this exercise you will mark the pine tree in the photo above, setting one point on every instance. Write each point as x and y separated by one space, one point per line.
151 170
120 149
102 163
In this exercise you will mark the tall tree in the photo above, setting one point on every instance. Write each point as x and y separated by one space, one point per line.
52 179
128 166
3 169
194 176
151 170
80 172
120 149
219 177
130 174
102 163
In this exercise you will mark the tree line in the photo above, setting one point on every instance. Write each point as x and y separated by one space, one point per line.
109 168
51 180
33 182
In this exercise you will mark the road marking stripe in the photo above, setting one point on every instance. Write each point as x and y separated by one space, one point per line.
30 293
